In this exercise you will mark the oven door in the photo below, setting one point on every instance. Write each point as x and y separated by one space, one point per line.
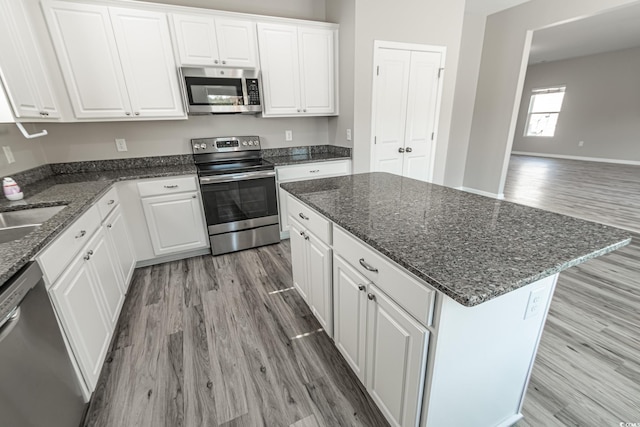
239 201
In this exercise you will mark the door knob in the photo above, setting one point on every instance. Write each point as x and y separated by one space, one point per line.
409 149
400 150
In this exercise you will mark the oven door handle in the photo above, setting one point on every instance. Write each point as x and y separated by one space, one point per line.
236 177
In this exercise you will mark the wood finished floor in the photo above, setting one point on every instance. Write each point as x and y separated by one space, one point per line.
225 341
212 342
587 371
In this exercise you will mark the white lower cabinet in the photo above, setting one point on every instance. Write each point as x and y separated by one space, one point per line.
175 222
303 172
385 347
118 236
85 310
350 314
395 359
311 261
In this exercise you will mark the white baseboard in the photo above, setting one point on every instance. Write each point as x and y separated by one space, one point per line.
173 257
482 193
586 159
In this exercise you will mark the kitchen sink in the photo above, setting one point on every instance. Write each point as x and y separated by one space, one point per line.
15 225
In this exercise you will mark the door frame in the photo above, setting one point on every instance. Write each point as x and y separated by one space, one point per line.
383 44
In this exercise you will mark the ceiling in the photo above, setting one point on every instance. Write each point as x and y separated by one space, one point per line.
606 32
488 7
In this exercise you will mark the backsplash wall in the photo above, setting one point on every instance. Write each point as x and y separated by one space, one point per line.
28 153
70 142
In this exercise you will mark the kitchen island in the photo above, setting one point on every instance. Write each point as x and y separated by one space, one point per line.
454 287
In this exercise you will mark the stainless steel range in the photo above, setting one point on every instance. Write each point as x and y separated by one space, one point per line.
238 191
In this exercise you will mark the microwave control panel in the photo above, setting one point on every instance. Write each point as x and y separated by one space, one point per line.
253 92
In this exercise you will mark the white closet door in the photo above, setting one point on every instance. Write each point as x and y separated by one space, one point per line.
421 115
391 88
148 63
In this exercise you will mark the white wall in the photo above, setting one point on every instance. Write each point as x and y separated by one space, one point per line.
601 106
464 98
413 21
506 46
28 153
69 142
343 12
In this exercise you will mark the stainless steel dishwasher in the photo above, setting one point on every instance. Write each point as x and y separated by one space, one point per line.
38 386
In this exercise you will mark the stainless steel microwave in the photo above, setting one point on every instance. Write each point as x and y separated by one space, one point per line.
209 90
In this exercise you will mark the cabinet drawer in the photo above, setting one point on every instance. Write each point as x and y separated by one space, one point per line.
55 258
167 186
415 297
107 203
310 219
313 170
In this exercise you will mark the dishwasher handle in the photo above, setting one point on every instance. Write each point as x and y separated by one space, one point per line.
8 323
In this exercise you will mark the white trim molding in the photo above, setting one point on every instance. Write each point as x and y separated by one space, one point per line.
481 193
586 159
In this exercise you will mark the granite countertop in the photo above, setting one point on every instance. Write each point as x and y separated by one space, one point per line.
471 248
295 155
76 190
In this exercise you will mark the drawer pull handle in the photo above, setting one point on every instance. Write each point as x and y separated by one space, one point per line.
86 257
81 234
90 252
315 171
171 186
371 297
110 202
303 216
362 288
367 266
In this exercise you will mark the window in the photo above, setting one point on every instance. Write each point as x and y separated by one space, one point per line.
544 110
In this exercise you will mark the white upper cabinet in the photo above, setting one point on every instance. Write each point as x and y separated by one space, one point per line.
298 70
117 63
21 69
147 59
214 41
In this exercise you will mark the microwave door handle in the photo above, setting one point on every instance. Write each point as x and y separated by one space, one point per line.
245 92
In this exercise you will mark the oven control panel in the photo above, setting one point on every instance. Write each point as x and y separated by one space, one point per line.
225 144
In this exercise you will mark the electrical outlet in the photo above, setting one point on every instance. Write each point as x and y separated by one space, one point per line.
580 143
8 154
288 135
348 134
121 144
536 304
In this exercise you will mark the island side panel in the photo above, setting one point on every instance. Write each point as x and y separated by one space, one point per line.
483 357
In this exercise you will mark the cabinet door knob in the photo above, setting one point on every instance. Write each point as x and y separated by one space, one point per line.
108 225
215 61
298 110
86 257
400 150
362 288
409 149
90 252
137 113
304 110
367 266
81 234
371 297
128 113
224 62
110 202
